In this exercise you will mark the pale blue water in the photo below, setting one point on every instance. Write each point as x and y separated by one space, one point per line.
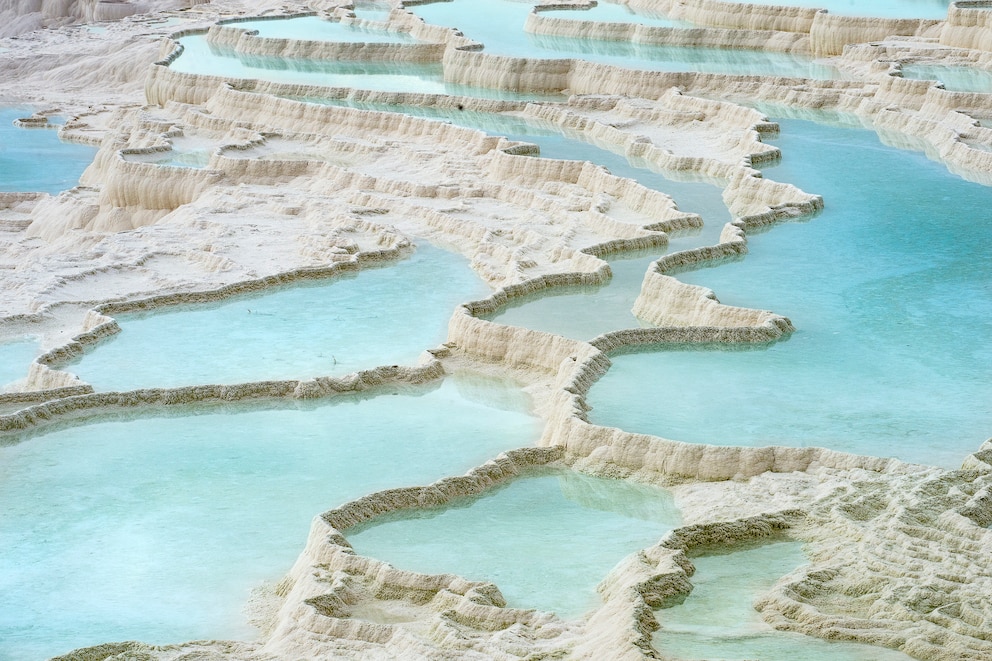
312 28
717 621
372 11
35 160
498 24
891 291
545 541
15 357
609 12
583 313
956 79
879 8
381 316
690 194
157 528
99 460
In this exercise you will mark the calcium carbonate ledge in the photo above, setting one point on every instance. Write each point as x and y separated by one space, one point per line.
542 21
319 606
70 410
914 549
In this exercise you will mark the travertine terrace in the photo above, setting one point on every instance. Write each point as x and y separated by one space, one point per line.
900 554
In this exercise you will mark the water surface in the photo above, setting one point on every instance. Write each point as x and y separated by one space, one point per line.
890 291
718 622
610 12
35 160
313 28
158 528
381 316
498 24
545 541
878 8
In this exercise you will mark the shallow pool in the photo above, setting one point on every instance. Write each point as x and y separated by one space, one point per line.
498 24
889 290
35 160
956 79
717 620
545 541
157 528
15 359
313 28
379 316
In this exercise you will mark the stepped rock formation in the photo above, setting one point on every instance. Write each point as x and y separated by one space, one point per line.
292 190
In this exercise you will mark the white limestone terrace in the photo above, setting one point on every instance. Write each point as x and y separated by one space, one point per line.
899 552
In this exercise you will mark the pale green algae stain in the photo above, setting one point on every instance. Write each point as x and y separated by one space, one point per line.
546 541
156 528
718 622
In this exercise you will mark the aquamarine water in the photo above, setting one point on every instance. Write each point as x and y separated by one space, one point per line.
691 193
879 8
35 160
610 12
381 316
956 79
546 541
583 312
15 358
158 528
313 28
372 11
889 290
498 24
717 621
185 152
